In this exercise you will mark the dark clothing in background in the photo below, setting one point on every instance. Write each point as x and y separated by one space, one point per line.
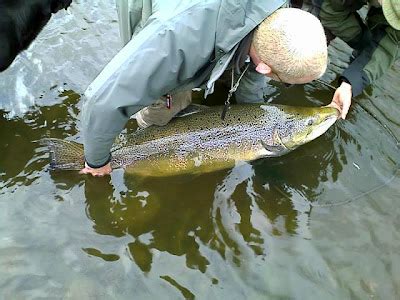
375 42
20 23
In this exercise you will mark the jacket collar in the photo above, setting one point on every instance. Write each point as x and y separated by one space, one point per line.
237 18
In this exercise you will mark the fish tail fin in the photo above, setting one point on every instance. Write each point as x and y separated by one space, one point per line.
64 155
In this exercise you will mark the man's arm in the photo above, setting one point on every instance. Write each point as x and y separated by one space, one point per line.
373 61
157 60
377 49
340 19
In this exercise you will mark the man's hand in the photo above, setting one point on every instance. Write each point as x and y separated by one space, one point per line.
342 99
105 170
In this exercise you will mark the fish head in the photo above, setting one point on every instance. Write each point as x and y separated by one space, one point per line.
305 125
299 125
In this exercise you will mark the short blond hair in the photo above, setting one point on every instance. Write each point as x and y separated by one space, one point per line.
293 43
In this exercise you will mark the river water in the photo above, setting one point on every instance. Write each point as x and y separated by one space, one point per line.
319 223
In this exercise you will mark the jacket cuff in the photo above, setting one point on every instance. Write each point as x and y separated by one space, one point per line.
357 81
96 166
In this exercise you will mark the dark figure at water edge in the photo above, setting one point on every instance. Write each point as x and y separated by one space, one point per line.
20 23
172 47
376 42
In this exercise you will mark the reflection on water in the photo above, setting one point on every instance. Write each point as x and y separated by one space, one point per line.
69 52
265 229
20 157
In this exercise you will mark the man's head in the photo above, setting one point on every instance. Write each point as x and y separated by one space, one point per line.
290 46
20 23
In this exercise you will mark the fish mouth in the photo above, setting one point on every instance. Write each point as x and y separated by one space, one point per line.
323 126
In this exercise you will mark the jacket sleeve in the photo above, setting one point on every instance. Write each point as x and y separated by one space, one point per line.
341 20
374 60
161 57
377 49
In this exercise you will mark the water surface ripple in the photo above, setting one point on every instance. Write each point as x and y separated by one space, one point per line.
270 229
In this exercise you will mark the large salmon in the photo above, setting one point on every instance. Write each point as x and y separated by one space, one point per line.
202 142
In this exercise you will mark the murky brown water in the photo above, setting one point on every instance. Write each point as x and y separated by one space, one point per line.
319 223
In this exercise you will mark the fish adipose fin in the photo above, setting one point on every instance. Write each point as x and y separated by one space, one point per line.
64 155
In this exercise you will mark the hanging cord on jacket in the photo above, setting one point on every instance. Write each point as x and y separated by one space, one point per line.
232 90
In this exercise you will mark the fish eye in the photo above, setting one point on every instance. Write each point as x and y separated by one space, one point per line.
310 122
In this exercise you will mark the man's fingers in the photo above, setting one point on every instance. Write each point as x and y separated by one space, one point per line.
92 172
83 171
345 111
346 103
334 105
98 174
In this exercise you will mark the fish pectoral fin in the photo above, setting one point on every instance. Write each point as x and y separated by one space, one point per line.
278 146
274 149
276 137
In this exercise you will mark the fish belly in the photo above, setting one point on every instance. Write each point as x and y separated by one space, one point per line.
200 162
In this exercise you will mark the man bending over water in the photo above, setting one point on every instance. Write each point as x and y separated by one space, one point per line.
171 49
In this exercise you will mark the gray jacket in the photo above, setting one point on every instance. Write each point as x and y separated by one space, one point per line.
181 46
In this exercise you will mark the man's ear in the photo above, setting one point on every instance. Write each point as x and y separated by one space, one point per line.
263 68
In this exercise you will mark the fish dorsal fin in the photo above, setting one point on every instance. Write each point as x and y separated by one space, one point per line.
190 110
